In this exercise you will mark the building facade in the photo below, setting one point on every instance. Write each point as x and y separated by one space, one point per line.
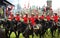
49 7
3 7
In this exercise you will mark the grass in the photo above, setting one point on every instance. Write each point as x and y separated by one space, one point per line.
45 36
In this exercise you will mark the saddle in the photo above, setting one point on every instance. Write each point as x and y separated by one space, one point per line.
37 26
58 24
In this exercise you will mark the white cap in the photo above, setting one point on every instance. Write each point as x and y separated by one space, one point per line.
17 13
33 13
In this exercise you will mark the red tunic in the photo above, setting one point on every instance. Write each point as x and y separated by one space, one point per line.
55 18
32 20
17 18
48 18
42 17
36 16
25 19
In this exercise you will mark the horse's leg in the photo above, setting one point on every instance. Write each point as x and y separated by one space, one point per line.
58 30
36 33
42 36
32 32
32 35
52 33
41 31
39 34
18 34
26 35
6 33
10 33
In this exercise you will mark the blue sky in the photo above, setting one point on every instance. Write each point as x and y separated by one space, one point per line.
40 3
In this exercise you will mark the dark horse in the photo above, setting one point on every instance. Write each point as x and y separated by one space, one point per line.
53 27
43 28
4 23
58 27
44 25
22 29
10 26
2 31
